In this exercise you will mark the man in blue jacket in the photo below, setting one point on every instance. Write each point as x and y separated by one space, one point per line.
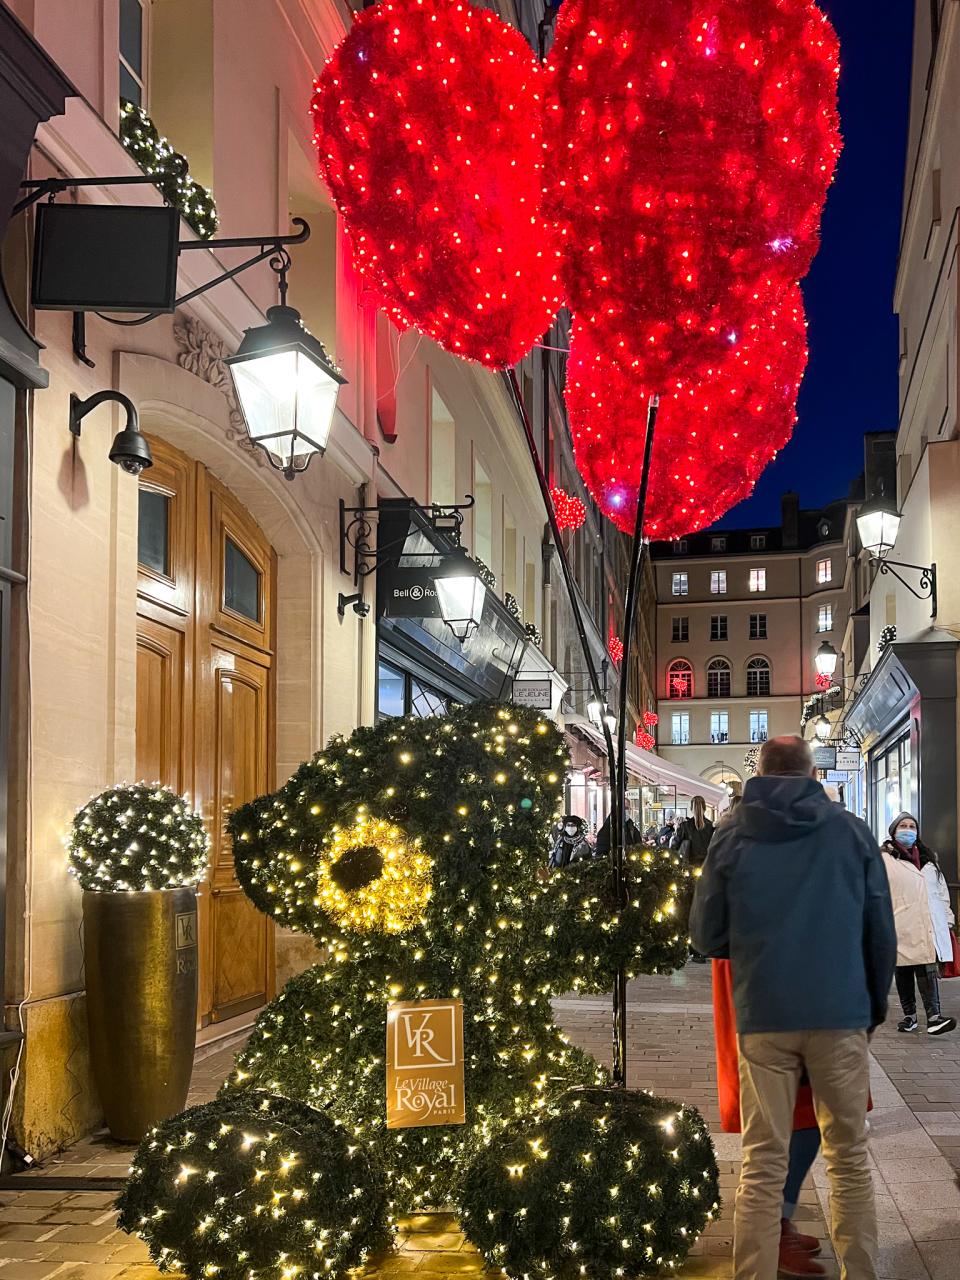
795 894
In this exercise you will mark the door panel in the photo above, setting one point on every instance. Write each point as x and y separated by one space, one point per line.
160 705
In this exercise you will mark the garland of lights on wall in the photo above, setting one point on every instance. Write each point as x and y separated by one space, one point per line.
169 169
468 802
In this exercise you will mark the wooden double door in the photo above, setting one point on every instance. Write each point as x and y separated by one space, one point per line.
205 696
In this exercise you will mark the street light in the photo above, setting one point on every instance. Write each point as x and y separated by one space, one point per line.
460 593
599 714
878 524
287 388
826 659
822 728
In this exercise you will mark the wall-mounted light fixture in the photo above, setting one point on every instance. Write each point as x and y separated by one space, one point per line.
878 525
130 450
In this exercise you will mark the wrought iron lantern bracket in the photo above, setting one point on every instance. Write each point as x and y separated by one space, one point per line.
926 588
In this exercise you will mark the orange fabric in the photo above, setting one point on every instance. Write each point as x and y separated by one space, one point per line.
728 1062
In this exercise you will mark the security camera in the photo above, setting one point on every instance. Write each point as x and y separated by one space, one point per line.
360 608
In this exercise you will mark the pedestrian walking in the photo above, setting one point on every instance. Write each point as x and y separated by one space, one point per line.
692 837
571 842
692 840
666 832
921 908
793 893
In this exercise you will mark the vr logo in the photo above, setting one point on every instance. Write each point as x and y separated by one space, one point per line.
424 1038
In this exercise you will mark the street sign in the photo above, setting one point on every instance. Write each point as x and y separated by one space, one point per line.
537 694
825 757
852 761
838 775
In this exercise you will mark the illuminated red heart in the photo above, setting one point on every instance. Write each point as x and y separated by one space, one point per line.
429 132
690 147
713 437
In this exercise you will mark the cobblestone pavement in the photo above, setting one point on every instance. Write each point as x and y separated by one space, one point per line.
915 1153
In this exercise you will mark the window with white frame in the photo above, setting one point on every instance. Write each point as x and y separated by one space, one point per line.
718 544
133 70
680 547
824 570
758 726
718 678
680 734
719 726
825 617
758 542
758 579
680 630
718 626
758 626
758 678
718 582
680 584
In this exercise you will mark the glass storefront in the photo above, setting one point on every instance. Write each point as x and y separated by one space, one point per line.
891 783
401 694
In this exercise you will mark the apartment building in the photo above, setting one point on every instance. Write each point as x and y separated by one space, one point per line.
740 616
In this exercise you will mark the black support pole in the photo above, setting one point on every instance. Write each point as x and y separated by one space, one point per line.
619 810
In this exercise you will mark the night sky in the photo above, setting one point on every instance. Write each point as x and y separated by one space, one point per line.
851 382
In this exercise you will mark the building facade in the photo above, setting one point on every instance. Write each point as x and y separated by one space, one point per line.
189 627
904 714
740 616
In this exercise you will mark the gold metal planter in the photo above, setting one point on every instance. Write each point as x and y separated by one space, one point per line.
141 964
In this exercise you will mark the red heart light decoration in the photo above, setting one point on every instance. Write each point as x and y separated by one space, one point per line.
429 130
691 144
714 437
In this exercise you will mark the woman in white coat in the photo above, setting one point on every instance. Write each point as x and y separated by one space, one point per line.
921 909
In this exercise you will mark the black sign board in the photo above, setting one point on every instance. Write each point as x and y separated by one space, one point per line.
105 257
409 593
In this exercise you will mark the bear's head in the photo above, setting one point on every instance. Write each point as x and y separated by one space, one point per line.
416 847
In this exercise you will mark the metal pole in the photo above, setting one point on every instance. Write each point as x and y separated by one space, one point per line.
618 822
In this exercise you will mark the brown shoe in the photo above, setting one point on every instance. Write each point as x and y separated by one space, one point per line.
796 1240
797 1262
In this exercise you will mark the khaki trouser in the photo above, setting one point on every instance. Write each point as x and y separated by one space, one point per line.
770 1068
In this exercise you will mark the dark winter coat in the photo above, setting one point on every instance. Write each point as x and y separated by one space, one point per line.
693 841
795 894
601 848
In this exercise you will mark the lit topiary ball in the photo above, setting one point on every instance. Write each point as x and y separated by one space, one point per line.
264 1188
607 1183
138 837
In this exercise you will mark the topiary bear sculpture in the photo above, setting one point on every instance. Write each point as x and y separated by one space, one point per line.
415 854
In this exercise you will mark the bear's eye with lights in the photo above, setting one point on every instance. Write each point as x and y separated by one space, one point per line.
373 878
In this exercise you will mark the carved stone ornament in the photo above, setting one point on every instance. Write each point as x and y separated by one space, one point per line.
203 353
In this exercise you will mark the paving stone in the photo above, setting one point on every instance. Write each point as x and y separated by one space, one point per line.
28 1270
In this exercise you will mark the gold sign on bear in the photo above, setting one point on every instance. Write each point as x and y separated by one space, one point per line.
424 1063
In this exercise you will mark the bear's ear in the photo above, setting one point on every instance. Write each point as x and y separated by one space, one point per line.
276 839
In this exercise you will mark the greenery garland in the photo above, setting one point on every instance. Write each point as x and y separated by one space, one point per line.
262 1186
137 837
169 170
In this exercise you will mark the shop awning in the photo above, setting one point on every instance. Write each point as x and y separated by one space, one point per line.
650 768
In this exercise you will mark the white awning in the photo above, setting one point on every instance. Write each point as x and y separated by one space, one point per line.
650 768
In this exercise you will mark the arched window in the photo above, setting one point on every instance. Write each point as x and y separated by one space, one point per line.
680 679
718 678
758 678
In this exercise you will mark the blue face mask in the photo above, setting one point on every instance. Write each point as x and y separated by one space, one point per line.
907 838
